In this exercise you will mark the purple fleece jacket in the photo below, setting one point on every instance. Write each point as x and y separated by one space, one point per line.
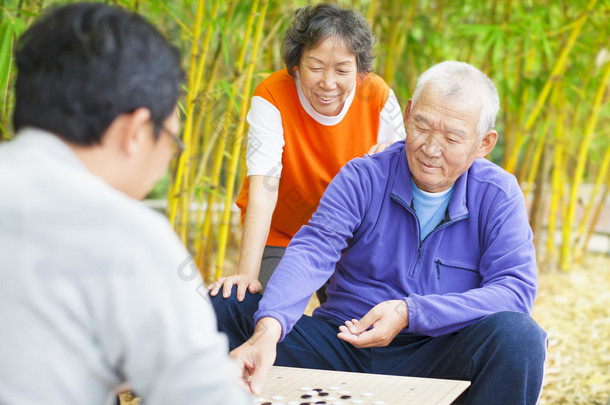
365 236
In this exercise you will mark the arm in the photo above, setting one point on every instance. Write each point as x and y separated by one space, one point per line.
315 250
264 160
391 125
261 204
391 122
162 332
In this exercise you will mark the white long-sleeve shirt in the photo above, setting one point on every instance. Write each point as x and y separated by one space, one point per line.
97 290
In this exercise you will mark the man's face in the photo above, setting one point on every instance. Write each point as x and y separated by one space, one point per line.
442 141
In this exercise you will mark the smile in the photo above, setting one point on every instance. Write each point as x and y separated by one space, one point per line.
326 99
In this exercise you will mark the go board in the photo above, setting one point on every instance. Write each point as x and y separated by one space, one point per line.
302 386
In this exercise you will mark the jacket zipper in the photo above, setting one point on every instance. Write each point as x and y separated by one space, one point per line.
441 225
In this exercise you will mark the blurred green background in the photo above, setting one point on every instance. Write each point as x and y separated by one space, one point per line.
549 60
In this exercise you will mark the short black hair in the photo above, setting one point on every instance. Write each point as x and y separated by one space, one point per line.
82 65
311 25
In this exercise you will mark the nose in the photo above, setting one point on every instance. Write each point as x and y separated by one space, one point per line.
431 147
328 81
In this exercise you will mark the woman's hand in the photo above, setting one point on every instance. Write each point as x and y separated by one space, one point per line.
380 147
242 282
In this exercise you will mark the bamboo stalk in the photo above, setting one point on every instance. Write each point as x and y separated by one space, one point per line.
540 144
580 165
598 211
220 149
176 187
235 155
371 12
601 175
556 177
555 75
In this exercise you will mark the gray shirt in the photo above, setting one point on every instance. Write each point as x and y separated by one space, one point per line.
97 290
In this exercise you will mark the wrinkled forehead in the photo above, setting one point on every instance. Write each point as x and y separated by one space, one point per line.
451 105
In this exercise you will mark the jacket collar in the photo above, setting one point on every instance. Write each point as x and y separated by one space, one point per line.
403 190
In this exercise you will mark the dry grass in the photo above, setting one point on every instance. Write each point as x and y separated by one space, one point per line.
574 308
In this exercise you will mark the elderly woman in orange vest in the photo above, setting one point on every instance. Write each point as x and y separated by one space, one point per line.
306 122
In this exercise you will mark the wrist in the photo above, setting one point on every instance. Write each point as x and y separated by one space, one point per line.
267 330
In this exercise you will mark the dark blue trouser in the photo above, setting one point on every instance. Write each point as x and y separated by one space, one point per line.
502 355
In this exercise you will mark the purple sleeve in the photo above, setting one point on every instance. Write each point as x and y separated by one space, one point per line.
314 251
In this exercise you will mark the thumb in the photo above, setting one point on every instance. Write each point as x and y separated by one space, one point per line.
258 379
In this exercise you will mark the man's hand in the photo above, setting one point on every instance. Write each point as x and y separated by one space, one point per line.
380 147
387 319
255 357
242 282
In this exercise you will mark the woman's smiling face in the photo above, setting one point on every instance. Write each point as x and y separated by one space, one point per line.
328 73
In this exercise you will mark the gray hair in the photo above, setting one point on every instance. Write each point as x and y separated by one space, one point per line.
459 80
311 25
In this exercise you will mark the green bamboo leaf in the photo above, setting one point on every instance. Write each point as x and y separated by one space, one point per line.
224 85
6 60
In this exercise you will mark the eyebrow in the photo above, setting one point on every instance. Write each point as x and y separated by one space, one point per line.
345 62
421 118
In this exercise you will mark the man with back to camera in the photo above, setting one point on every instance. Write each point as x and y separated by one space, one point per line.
90 292
430 257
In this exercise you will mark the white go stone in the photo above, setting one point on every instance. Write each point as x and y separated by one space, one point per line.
305 388
334 388
357 401
343 392
379 402
277 397
366 394
293 402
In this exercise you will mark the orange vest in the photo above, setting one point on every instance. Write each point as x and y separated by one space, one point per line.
314 153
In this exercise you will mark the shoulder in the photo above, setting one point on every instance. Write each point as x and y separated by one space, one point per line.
372 90
488 176
379 164
276 84
373 79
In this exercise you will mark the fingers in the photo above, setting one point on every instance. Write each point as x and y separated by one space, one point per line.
213 288
369 338
255 287
247 284
227 286
377 148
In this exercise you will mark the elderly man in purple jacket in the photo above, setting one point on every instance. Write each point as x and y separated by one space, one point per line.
430 258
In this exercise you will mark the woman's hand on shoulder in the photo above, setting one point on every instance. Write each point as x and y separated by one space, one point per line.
242 282
380 147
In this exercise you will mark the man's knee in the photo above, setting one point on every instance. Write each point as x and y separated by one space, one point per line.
230 306
516 336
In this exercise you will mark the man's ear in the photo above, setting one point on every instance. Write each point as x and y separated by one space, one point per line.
487 143
132 130
407 111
